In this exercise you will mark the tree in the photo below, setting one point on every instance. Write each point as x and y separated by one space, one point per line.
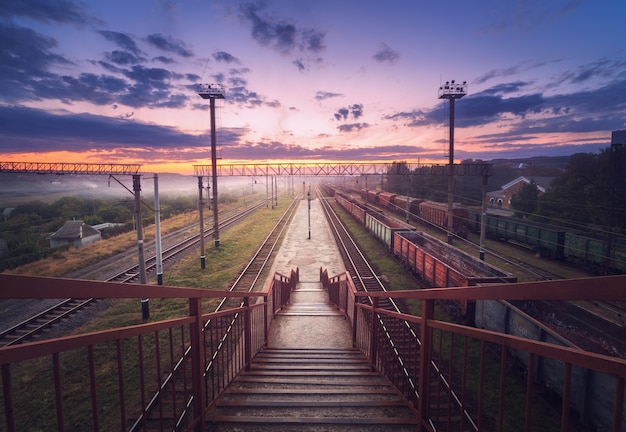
590 191
398 177
525 201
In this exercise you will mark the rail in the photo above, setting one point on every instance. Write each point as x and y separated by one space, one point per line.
482 368
38 323
102 380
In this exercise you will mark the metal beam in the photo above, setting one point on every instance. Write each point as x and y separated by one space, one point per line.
337 169
466 169
69 168
294 169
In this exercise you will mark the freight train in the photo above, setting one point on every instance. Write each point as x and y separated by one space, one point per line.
596 253
441 265
436 262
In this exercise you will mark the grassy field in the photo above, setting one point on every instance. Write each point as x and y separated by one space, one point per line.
62 263
32 378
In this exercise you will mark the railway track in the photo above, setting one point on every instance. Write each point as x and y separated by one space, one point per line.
598 326
37 324
364 277
257 267
250 279
402 338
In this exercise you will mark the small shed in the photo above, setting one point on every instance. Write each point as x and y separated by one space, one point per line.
75 232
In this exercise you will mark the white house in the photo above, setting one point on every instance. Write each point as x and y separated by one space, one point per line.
502 198
75 232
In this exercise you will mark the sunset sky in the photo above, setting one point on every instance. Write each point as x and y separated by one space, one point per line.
116 81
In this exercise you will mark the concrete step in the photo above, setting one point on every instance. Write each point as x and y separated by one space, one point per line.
310 309
311 389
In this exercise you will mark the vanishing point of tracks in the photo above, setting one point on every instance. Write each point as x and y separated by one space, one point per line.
35 325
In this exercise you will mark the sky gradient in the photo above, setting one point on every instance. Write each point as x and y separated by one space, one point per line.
116 81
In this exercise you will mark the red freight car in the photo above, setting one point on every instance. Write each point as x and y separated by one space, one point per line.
442 265
385 199
356 210
437 214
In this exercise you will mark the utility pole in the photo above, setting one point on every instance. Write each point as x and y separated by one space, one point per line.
157 228
309 202
145 305
201 217
267 194
483 218
452 92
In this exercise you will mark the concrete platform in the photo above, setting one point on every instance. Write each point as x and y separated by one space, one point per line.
309 321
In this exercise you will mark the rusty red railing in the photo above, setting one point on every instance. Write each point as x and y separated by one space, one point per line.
464 378
159 375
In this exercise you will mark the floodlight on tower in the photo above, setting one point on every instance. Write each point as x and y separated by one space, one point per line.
451 91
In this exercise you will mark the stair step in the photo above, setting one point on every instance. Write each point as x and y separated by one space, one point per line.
329 366
324 412
310 404
317 360
309 351
307 392
312 381
310 309
316 420
314 373
289 389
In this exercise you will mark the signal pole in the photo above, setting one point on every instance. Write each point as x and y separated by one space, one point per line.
452 92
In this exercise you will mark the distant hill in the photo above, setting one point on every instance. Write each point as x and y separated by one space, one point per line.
557 162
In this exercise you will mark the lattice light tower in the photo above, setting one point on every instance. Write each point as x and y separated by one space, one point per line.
451 91
212 92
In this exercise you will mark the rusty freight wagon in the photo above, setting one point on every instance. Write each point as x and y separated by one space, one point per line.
437 214
385 198
400 204
441 265
372 196
356 210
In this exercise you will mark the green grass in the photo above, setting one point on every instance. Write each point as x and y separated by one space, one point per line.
32 381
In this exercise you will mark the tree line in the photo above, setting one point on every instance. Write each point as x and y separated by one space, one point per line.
589 192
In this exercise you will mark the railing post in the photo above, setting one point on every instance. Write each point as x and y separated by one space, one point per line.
426 336
618 404
247 332
8 397
373 334
354 321
275 295
347 290
197 363
265 320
